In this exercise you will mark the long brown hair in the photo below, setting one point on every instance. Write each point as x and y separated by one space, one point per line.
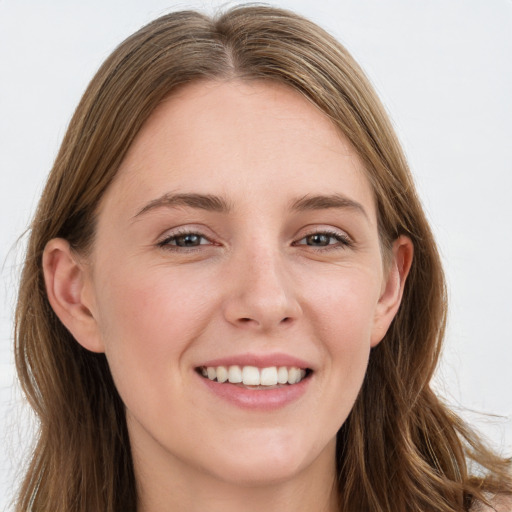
401 448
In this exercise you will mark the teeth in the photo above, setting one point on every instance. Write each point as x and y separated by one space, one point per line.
235 374
269 376
222 373
253 376
282 375
293 375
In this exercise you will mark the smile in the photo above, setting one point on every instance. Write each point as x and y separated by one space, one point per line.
253 376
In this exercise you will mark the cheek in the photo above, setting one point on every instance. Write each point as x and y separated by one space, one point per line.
151 306
344 305
344 311
148 321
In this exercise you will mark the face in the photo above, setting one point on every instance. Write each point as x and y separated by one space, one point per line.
238 241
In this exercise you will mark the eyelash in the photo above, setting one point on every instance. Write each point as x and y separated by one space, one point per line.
342 241
166 242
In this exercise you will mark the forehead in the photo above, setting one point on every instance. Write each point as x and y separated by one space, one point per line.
239 137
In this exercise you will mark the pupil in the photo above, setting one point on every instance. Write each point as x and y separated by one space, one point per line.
188 240
318 239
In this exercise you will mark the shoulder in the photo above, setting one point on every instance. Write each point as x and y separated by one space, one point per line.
499 502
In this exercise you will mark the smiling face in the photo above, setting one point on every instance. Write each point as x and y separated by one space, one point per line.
239 237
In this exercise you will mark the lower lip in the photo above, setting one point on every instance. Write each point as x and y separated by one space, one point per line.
258 399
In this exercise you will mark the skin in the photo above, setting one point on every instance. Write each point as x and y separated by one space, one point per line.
257 283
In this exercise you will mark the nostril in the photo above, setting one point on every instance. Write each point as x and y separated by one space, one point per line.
246 320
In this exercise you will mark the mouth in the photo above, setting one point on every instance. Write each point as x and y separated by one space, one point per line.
253 377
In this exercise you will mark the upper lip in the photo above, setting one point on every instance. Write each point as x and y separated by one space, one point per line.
258 360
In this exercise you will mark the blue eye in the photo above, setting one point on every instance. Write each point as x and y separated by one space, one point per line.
185 240
325 239
319 240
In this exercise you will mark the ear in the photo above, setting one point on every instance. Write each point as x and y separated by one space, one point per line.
69 291
393 287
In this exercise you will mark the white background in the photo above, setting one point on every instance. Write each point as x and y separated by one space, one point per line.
444 71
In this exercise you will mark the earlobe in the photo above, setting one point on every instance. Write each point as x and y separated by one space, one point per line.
65 281
393 287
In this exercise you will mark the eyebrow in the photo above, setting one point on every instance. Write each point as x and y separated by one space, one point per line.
219 204
324 202
199 201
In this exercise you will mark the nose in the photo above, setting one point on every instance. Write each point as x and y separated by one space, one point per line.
262 294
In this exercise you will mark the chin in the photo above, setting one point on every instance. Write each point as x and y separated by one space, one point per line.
258 473
260 460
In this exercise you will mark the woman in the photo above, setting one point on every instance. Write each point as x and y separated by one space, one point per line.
231 297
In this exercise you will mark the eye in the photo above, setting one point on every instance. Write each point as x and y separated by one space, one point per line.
320 240
184 240
325 239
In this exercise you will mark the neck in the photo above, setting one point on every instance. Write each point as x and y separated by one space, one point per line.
174 485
